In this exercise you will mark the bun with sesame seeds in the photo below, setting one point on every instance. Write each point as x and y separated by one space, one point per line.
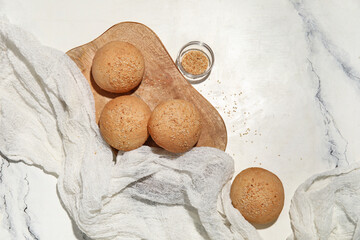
258 194
175 125
118 67
123 122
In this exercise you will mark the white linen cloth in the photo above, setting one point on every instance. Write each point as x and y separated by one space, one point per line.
327 206
47 119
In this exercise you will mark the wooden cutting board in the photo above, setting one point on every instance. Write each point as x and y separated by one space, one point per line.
162 80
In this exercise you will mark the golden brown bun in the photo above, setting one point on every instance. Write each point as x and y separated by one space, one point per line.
118 67
123 122
175 125
258 194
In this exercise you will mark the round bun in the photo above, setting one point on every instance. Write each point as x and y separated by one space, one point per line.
175 125
258 194
118 67
123 122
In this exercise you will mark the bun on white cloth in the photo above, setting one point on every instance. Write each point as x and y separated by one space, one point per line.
47 119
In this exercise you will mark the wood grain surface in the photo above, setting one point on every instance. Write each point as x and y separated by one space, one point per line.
162 80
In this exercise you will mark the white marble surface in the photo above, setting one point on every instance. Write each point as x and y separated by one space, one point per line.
286 81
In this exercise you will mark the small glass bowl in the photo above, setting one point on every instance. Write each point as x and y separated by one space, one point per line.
205 49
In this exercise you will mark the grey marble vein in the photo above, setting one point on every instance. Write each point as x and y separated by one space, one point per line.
4 204
1 169
336 150
6 211
337 144
14 190
27 216
313 30
16 207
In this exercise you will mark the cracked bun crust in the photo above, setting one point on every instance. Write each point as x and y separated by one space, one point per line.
118 67
123 122
175 125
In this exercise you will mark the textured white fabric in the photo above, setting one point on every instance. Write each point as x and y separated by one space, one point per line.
47 119
327 206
